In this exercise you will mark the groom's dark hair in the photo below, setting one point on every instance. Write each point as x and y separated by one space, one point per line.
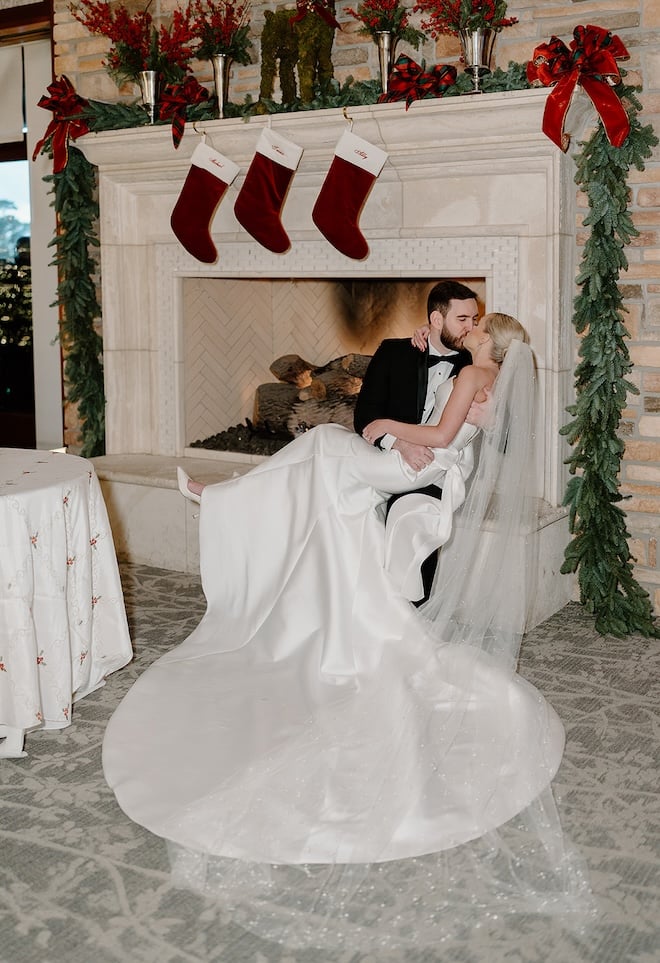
445 291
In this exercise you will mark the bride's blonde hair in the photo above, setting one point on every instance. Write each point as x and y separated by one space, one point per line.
503 329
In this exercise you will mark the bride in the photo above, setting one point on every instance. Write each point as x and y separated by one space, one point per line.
317 742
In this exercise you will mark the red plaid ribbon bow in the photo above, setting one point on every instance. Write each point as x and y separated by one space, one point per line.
408 81
66 105
590 62
175 101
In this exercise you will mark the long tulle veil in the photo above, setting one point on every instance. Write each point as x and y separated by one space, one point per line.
515 859
481 591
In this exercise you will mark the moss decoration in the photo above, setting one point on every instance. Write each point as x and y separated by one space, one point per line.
288 41
315 40
279 43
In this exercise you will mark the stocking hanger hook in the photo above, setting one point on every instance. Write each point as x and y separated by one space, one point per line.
202 133
349 120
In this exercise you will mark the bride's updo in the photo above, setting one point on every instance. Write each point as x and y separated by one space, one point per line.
503 329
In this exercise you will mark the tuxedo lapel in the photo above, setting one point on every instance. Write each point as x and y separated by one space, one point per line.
422 375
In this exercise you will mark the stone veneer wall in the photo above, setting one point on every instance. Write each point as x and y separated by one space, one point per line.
637 22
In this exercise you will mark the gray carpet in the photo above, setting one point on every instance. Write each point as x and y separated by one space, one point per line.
82 884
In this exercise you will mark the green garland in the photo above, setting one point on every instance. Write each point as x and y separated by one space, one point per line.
599 551
77 210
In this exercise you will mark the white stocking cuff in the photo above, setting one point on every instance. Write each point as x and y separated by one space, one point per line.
210 160
360 153
278 149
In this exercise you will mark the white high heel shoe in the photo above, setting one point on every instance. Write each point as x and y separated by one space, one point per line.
183 480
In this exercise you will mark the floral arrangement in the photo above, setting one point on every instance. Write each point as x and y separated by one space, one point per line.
377 16
455 16
223 27
137 44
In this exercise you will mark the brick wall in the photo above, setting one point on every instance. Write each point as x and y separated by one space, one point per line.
637 22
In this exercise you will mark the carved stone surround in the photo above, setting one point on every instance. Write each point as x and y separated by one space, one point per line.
472 188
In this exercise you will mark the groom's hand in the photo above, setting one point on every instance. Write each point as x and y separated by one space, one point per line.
417 456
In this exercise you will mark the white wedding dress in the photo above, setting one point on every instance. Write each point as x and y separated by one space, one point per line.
314 718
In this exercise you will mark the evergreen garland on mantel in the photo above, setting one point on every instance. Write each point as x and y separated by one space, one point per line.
599 550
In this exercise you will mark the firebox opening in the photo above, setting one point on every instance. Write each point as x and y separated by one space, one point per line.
235 329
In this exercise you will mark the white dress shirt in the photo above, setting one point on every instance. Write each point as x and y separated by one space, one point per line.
438 374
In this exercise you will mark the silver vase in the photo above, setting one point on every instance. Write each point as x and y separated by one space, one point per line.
386 52
221 66
148 83
477 48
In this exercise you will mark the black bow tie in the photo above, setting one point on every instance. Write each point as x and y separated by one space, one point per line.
433 359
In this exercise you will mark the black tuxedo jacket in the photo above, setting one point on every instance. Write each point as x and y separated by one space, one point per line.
395 383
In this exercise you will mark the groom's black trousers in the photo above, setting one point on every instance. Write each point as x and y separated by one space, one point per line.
429 564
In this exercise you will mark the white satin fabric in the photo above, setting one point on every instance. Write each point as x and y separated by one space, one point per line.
311 717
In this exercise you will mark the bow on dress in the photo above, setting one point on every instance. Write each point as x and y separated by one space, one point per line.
408 81
66 123
590 62
175 101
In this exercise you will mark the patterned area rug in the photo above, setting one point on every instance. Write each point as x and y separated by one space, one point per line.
80 883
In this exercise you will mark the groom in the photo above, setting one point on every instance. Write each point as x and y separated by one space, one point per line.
401 381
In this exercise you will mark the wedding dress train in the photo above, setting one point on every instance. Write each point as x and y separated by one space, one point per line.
314 719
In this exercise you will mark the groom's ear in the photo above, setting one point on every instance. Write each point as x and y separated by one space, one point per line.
436 320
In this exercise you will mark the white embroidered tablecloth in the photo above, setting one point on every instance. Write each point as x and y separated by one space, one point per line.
62 619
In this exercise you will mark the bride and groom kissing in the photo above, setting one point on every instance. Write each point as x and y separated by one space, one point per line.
398 407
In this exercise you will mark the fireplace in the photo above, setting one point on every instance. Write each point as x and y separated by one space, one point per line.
472 190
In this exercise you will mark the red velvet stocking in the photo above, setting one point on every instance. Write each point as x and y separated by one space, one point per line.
353 171
207 180
261 198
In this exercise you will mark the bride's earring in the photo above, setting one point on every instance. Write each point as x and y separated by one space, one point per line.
183 480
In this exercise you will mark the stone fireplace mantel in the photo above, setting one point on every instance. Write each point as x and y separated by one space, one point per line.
472 188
